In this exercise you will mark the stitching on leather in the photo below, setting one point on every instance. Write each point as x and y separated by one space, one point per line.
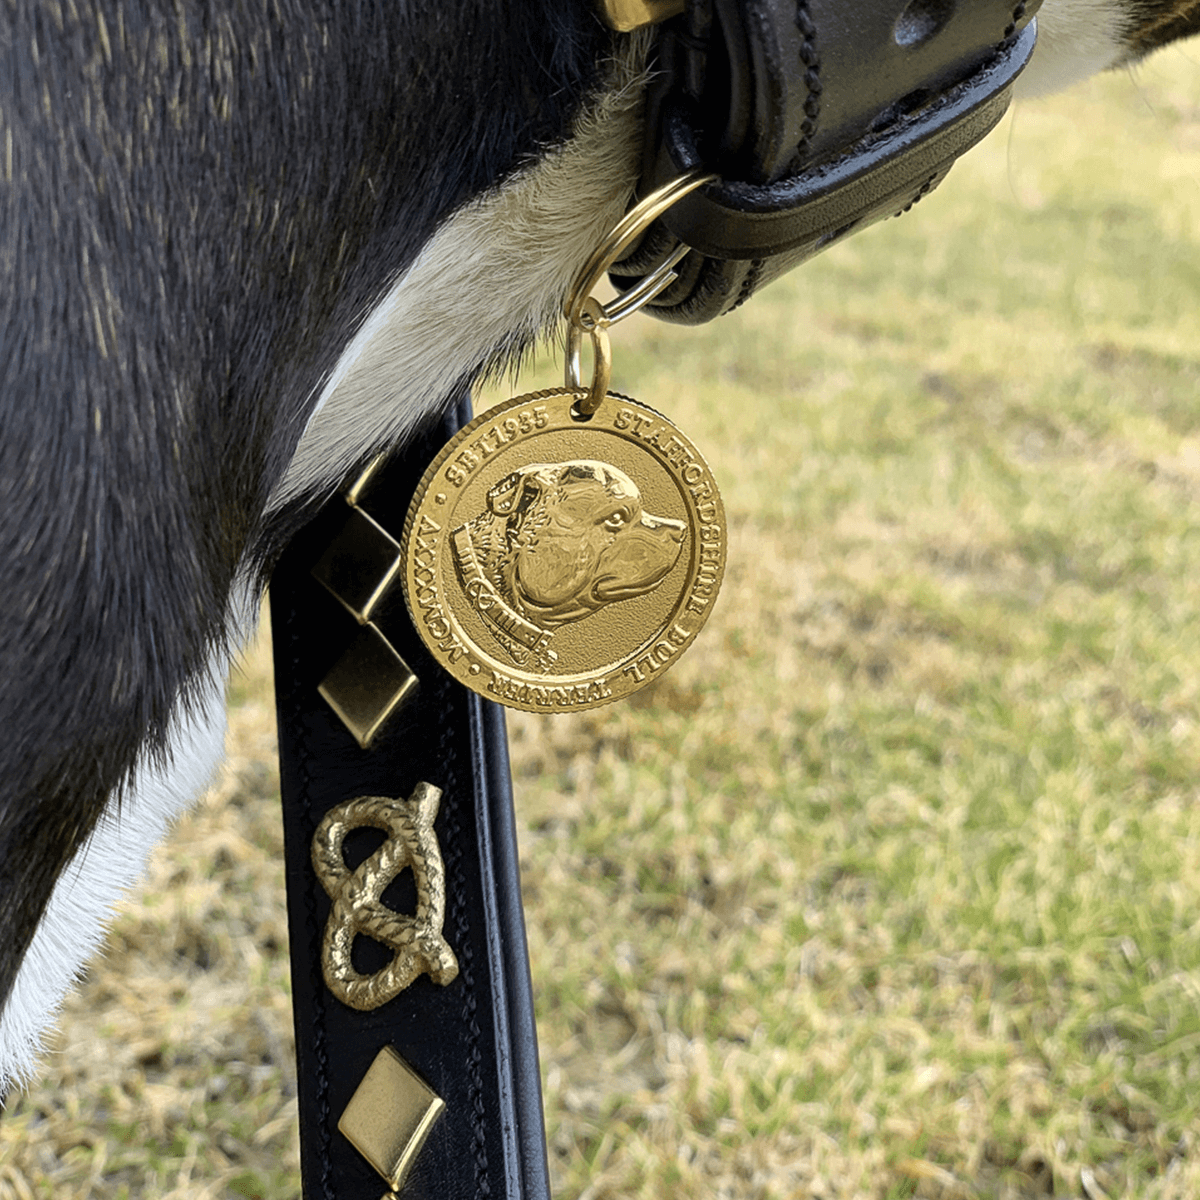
320 1049
1017 14
812 76
749 283
453 852
924 191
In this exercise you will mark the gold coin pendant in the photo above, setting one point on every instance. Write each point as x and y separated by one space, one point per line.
554 563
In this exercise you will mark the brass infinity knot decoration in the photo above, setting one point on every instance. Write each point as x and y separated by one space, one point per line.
416 941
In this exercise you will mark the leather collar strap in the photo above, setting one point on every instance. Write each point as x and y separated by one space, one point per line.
819 117
433 1085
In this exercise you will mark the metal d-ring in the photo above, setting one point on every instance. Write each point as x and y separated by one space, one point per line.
631 226
585 314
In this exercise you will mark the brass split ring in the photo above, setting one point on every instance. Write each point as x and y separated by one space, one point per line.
630 227
596 328
586 315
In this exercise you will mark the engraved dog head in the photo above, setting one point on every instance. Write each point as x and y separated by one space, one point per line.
571 538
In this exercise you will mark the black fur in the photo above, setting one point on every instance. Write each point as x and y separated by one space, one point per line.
199 201
1154 23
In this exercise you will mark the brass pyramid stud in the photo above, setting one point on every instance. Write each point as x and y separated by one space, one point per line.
359 565
370 681
368 684
390 1116
627 15
363 485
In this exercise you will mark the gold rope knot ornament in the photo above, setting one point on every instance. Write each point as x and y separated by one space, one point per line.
416 941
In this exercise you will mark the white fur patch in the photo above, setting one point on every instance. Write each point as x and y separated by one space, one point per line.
1076 39
496 272
81 906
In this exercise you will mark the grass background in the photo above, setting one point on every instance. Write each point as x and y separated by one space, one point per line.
892 887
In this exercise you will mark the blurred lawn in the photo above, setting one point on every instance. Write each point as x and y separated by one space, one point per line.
892 887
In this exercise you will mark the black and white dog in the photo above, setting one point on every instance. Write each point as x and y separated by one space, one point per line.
244 247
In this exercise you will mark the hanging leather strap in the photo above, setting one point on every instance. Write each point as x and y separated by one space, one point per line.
819 117
466 1047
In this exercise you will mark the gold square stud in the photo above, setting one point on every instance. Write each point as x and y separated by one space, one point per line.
627 15
390 1116
362 485
360 564
367 684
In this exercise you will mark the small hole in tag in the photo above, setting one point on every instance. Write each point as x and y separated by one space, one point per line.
577 414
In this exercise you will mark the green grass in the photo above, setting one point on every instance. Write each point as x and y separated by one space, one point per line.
892 886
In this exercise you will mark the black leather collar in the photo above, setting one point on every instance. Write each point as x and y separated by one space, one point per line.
819 117
470 1039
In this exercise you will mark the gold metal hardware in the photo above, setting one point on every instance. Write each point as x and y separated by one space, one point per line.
367 684
631 227
390 1116
370 681
360 564
627 15
568 560
357 909
597 329
573 515
586 315
355 492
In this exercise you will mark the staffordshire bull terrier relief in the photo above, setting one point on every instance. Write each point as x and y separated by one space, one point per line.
558 542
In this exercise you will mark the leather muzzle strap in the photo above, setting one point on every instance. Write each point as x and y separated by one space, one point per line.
436 1085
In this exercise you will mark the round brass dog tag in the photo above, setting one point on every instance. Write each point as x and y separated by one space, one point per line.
554 563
